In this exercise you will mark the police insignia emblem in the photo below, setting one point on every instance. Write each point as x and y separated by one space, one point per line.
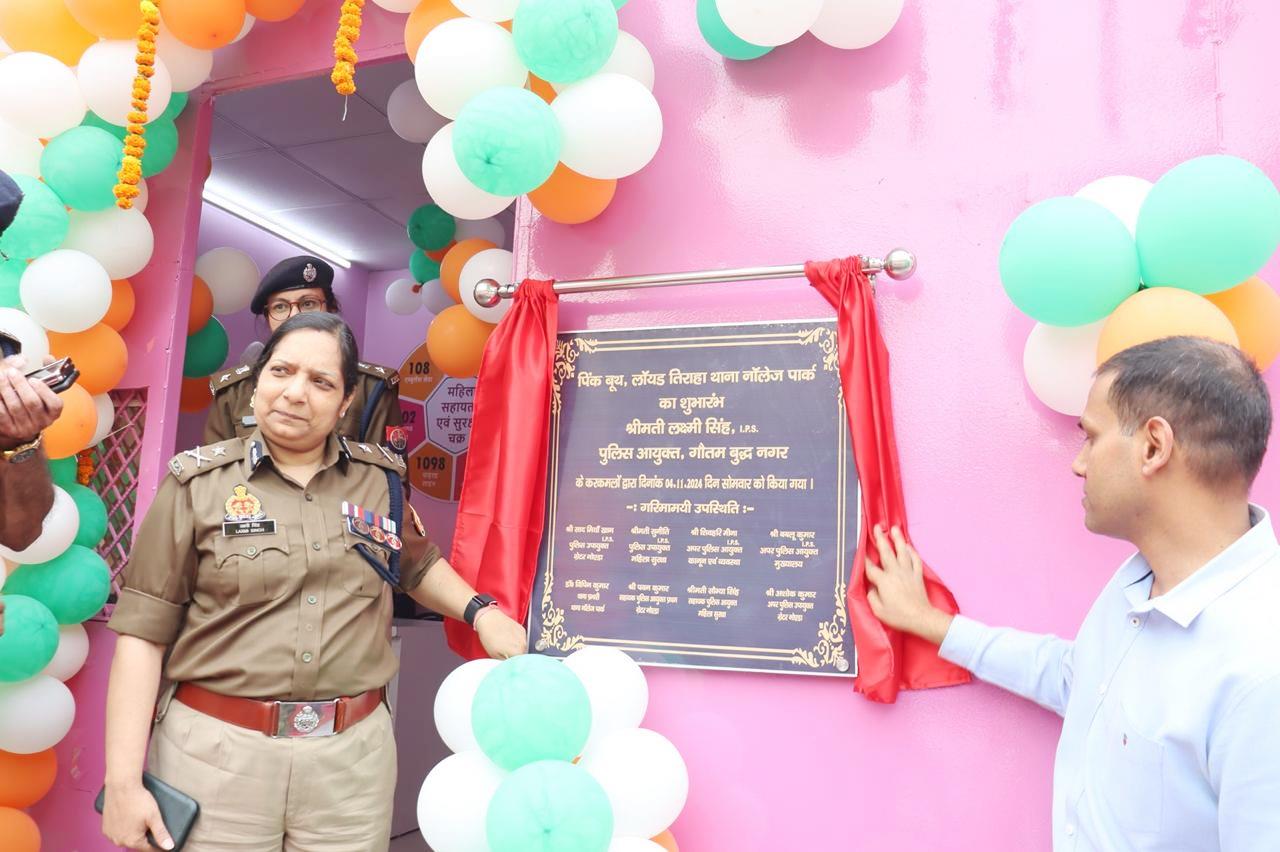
244 514
309 273
397 438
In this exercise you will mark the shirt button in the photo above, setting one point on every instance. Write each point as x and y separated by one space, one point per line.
311 599
310 627
315 545
310 498
1071 831
306 658
1135 621
251 550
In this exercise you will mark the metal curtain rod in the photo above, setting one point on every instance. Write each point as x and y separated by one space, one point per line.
898 264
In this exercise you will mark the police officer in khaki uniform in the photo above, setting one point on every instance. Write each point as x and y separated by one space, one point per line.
304 284
260 584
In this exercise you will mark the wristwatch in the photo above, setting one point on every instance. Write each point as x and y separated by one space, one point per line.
474 606
22 452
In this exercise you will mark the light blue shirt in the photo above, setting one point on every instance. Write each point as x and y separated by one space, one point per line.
1170 705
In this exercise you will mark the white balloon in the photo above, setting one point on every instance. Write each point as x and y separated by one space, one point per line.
66 290
645 777
121 240
40 95
616 686
630 58
488 10
249 21
106 418
454 800
769 23
1121 194
73 650
144 196
450 188
612 126
232 277
57 532
400 7
188 66
19 152
402 298
434 298
495 263
851 24
251 352
1059 364
634 844
410 117
483 229
453 705
35 714
19 324
462 58
106 73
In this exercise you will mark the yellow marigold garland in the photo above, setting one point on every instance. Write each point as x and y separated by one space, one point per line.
135 144
85 467
344 51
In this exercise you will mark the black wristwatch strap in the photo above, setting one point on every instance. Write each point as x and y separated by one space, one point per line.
474 606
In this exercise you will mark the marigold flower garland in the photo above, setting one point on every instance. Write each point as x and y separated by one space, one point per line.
85 467
135 144
344 51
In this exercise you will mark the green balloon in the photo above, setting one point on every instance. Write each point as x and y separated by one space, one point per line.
549 806
64 471
1068 261
530 708
423 268
81 166
618 4
1208 225
41 224
562 41
720 37
177 103
431 228
206 350
74 586
10 277
507 140
30 638
161 136
93 515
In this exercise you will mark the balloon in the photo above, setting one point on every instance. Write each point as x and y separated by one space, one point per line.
73 650
111 19
542 88
454 800
206 24
422 267
252 352
10 283
121 240
489 10
410 117
206 350
851 24
34 340
565 40
1059 363
496 264
249 21
768 23
74 586
64 471
438 254
530 707
92 512
402 297
144 195
122 305
35 715
45 26
449 187
98 352
434 298
26 778
57 532
462 58
549 805
105 420
66 291
273 10
1163 312
506 140
1121 194
616 687
455 260
455 342
667 841
1208 224
633 844
232 277
430 227
428 15
20 831
80 165
631 58
721 38
106 73
400 7
485 229
29 640
188 66
162 142
19 152
570 198
1254 310
612 126
177 103
644 776
38 94
1067 261
41 224
453 705
195 395
201 306
75 426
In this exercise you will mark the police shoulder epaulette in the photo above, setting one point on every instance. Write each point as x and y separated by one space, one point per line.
374 454
388 375
194 462
218 381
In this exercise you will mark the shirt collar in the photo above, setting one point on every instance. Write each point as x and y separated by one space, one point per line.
257 450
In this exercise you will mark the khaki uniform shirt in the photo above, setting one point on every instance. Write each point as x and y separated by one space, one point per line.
26 494
256 582
233 390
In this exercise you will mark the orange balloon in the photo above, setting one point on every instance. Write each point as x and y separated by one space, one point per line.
451 266
667 841
19 831
99 354
122 305
455 341
26 778
1163 312
422 20
204 24
273 10
541 88
201 305
44 26
438 254
570 198
1254 310
195 395
506 25
114 19
73 430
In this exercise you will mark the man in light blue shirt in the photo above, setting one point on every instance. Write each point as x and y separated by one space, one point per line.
1170 694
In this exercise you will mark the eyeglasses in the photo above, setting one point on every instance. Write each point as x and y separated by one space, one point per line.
283 310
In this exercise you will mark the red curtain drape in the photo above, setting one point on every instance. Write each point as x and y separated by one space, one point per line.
503 503
887 659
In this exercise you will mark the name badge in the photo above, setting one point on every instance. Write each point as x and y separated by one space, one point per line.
234 528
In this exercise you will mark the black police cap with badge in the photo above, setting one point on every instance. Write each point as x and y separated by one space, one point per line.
294 273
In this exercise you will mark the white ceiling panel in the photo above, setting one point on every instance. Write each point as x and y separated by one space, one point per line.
375 83
400 207
375 166
361 234
299 112
228 139
267 180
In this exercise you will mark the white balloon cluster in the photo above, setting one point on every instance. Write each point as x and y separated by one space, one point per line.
846 24
232 277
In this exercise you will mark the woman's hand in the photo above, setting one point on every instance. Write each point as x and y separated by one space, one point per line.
128 813
501 637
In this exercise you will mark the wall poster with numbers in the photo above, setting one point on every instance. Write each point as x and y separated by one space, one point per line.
703 501
437 422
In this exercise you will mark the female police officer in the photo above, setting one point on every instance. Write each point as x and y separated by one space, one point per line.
259 571
299 285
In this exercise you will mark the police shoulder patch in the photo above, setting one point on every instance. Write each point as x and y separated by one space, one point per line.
227 378
377 454
193 462
387 374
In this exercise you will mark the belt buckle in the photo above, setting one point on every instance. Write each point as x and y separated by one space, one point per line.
305 718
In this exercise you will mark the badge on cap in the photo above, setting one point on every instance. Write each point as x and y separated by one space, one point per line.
244 515
309 273
397 438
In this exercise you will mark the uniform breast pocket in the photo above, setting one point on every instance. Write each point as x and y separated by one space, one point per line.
254 568
358 576
1134 767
